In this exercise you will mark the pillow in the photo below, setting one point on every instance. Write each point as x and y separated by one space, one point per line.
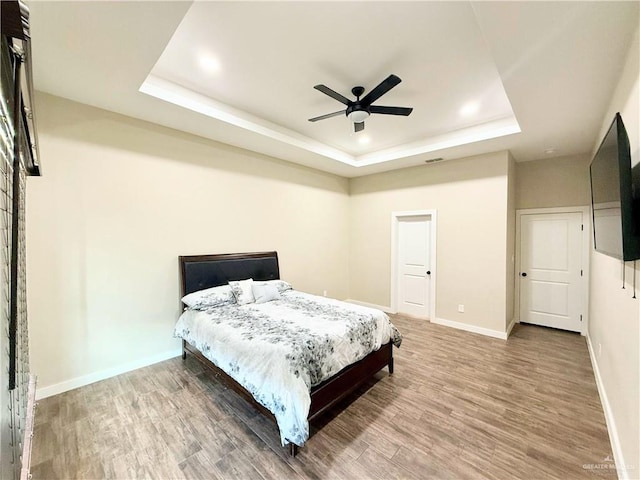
281 285
209 297
264 292
242 291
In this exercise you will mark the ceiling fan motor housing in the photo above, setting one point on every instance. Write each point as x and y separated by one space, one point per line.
356 112
355 108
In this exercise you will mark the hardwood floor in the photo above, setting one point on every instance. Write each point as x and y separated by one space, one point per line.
459 405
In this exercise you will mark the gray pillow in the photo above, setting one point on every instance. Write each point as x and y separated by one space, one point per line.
281 285
264 292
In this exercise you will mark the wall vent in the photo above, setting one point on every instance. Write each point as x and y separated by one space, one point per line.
434 160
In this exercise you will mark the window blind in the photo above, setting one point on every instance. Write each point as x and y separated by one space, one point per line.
18 387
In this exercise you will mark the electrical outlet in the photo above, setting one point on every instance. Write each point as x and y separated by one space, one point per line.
324 292
461 308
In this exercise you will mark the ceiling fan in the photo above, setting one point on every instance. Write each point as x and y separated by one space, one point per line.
359 110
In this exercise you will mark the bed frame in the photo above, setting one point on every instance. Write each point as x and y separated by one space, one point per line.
198 272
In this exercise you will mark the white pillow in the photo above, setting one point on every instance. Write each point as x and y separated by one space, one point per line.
242 291
209 297
264 292
281 285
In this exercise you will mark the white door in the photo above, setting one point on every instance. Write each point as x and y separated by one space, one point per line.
551 270
414 265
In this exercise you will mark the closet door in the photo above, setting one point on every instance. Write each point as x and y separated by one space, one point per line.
551 270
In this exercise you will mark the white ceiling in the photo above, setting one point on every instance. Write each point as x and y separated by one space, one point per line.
544 69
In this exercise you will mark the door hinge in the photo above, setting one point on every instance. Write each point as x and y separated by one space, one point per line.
580 317
582 227
580 272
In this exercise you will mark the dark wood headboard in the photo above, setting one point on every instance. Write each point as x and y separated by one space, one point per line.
198 272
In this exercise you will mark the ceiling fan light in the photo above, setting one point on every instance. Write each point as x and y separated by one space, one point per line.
358 116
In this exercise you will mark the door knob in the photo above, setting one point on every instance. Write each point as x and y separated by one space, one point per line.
428 272
524 274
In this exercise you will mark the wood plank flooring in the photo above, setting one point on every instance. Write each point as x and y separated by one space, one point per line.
459 405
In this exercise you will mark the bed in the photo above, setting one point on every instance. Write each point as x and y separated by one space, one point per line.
202 272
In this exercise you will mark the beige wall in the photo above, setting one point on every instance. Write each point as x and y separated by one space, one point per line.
120 199
614 316
553 182
470 196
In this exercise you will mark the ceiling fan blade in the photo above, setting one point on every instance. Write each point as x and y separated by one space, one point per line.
358 127
384 86
406 111
328 115
335 95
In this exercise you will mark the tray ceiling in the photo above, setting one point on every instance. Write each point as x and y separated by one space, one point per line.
524 76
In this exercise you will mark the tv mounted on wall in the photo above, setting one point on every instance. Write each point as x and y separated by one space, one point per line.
615 189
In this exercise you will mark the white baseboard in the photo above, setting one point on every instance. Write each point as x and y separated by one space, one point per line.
623 473
370 305
470 328
77 382
510 326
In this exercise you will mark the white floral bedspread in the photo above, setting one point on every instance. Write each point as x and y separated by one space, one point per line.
278 350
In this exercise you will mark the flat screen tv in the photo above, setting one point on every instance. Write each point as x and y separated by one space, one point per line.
615 188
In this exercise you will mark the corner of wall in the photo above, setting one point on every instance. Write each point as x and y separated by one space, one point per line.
510 244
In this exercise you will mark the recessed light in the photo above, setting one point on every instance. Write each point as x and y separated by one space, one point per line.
363 139
469 109
550 150
209 63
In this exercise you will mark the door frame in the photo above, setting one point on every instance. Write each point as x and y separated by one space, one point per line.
395 220
586 246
